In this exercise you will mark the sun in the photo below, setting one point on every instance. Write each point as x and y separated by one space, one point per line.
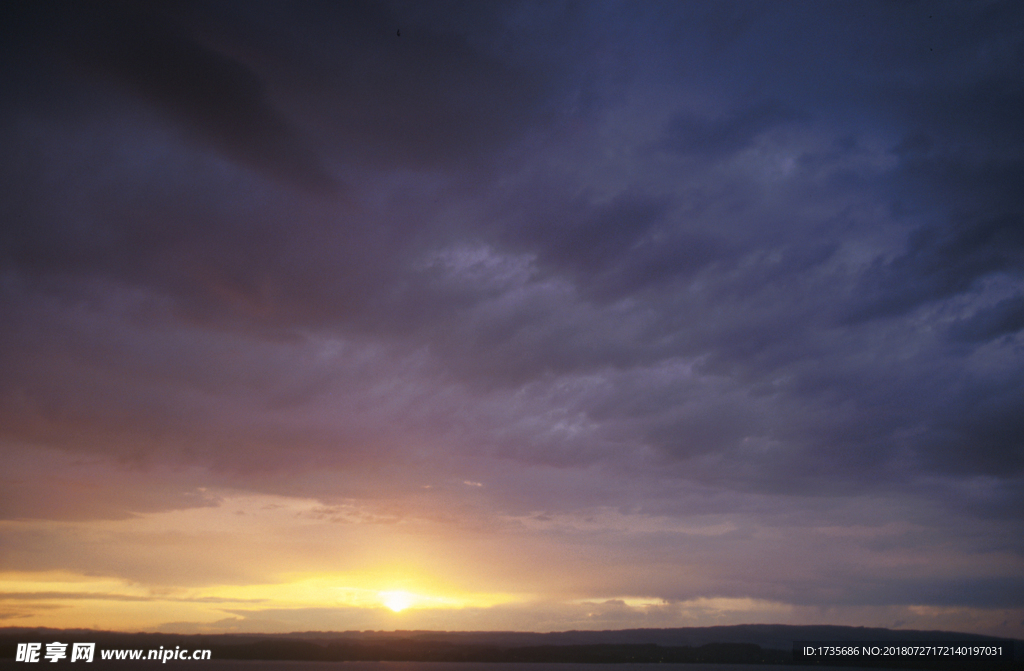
396 601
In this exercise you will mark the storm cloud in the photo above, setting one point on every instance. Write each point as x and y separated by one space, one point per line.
719 304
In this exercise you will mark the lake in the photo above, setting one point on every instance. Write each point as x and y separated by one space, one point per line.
237 665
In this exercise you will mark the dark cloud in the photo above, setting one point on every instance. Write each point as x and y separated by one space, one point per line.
217 100
591 246
984 435
432 99
1002 592
1003 318
723 136
941 262
172 224
612 249
529 262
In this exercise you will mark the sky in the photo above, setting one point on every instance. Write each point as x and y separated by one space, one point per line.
526 316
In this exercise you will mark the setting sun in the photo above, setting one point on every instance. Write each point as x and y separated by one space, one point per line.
396 601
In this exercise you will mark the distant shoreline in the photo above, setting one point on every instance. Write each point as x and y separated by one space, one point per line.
739 644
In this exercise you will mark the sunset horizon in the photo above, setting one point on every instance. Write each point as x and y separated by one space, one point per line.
511 316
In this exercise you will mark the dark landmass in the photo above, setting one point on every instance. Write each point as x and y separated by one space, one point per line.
742 644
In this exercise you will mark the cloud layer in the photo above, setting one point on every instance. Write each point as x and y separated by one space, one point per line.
674 302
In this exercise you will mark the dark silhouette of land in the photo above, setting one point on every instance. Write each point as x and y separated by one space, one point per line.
742 644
